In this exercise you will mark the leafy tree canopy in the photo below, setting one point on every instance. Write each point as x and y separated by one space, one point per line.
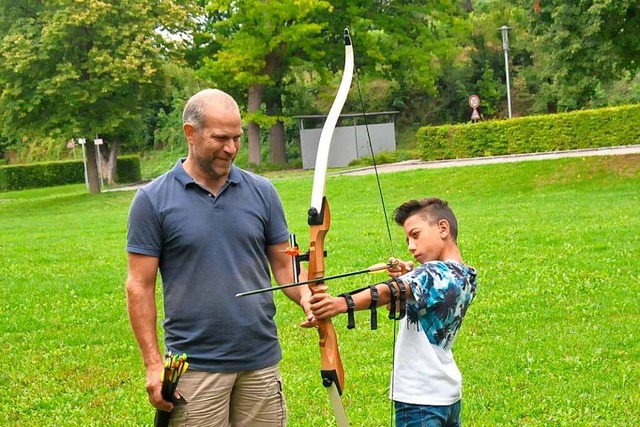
78 68
581 43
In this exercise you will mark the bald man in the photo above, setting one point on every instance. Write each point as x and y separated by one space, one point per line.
212 230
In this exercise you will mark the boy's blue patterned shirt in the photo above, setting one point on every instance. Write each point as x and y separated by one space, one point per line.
442 292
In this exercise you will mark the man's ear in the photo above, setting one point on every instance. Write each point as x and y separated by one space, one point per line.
189 132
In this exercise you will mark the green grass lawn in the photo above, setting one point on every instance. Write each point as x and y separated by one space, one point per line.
551 339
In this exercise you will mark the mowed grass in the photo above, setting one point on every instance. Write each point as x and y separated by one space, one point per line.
551 340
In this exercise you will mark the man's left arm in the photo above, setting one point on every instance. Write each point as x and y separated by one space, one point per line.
282 269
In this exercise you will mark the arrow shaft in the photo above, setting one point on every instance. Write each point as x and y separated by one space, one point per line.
371 269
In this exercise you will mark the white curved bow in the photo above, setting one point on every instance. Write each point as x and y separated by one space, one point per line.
319 221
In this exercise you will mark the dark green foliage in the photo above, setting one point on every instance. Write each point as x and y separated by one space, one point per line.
45 174
128 169
579 45
605 127
49 174
490 91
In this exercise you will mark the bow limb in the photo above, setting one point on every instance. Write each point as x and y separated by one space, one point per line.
322 155
319 222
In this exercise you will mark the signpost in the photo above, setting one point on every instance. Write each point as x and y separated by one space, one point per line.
474 102
82 141
98 142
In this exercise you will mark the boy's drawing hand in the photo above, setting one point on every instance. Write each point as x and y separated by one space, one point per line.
324 306
399 267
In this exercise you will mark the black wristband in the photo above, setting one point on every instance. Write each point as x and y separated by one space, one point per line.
403 299
350 309
394 295
373 307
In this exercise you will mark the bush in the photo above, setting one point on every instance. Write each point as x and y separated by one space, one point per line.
606 127
128 169
48 174
45 174
384 157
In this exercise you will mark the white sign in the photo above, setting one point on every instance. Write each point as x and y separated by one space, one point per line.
81 141
98 141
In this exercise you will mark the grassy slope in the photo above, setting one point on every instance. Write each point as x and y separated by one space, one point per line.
551 339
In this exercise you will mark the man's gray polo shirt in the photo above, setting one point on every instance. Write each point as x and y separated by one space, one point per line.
209 249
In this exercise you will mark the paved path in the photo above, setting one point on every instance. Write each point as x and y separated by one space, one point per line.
418 164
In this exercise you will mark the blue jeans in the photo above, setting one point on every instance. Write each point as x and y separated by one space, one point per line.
408 415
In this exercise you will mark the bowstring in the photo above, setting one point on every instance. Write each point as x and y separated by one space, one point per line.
386 220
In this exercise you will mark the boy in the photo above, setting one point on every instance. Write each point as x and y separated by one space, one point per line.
426 385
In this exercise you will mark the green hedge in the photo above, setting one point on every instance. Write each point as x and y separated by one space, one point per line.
48 174
606 127
128 169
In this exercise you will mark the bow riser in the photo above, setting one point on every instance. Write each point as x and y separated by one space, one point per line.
332 370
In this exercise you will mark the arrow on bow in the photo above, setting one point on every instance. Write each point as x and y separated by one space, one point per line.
319 221
374 268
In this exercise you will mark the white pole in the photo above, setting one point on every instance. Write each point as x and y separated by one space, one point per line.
98 142
505 47
82 141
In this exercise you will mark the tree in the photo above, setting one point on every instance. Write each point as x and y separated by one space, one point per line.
263 42
488 56
259 41
408 43
489 91
581 44
82 69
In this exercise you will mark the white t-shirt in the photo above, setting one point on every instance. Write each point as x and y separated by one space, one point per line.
425 372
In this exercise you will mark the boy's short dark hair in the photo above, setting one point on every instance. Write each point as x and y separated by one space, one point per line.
432 209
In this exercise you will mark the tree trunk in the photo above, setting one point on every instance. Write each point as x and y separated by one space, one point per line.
256 92
277 151
273 99
92 167
110 163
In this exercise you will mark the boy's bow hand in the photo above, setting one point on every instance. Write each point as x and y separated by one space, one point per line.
324 306
399 267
